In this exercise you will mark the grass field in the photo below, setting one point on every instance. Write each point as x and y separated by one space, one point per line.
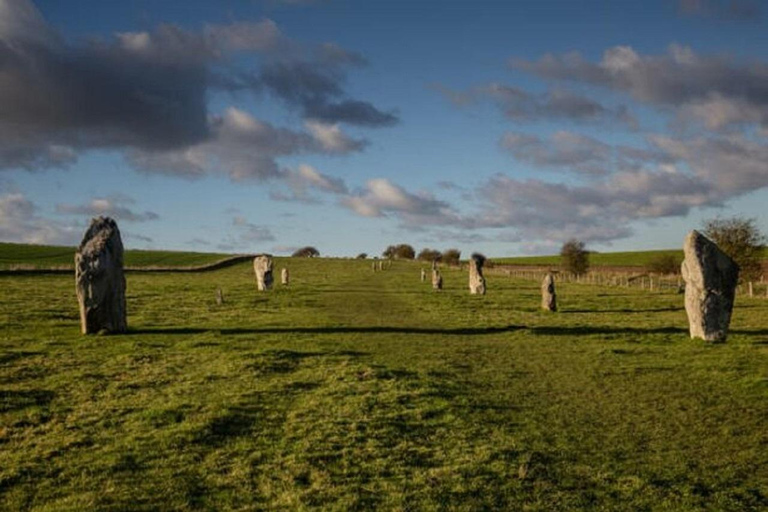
47 256
613 259
359 390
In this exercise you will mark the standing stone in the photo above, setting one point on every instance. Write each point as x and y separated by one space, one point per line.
381 265
548 297
437 280
434 265
262 267
219 297
423 275
476 279
710 284
99 278
373 266
284 277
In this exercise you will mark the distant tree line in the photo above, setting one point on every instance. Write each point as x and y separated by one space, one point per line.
407 252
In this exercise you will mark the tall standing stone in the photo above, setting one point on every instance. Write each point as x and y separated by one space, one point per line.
710 286
437 280
262 267
548 296
284 277
476 279
99 278
423 275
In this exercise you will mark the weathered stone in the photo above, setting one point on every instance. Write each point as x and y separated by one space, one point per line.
423 276
710 285
434 265
437 280
99 278
262 267
548 296
284 277
381 265
476 279
219 297
373 266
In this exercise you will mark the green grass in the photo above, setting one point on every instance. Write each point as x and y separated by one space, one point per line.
47 256
359 390
619 259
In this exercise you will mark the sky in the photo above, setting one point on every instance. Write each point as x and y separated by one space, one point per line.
504 128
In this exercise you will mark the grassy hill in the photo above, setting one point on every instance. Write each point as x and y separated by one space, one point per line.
47 256
355 390
619 259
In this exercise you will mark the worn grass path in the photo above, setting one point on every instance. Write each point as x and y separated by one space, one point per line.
357 390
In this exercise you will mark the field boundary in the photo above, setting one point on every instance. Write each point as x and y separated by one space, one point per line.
216 265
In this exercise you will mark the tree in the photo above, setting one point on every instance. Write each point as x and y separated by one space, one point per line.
451 256
429 255
306 252
362 256
664 264
574 258
741 239
399 252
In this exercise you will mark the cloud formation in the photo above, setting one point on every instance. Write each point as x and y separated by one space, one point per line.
21 222
564 150
116 206
146 93
718 91
556 104
381 198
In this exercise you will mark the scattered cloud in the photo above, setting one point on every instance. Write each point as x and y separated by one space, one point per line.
381 198
249 232
243 148
557 104
718 90
21 222
564 150
146 94
116 206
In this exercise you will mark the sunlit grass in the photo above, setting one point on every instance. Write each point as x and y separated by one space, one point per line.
356 390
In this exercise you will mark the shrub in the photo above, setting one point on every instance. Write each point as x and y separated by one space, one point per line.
664 264
741 239
429 255
361 256
574 258
399 252
306 252
451 256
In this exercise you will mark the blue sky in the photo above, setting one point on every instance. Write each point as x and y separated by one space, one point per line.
265 125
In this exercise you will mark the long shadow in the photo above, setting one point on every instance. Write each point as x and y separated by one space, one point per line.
461 331
597 329
623 310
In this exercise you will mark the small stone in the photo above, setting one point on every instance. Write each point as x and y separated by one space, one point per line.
219 297
284 277
548 296
710 278
262 267
476 279
423 276
99 279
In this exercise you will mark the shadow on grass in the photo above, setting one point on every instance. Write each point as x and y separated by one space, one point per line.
459 331
12 400
624 310
330 330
